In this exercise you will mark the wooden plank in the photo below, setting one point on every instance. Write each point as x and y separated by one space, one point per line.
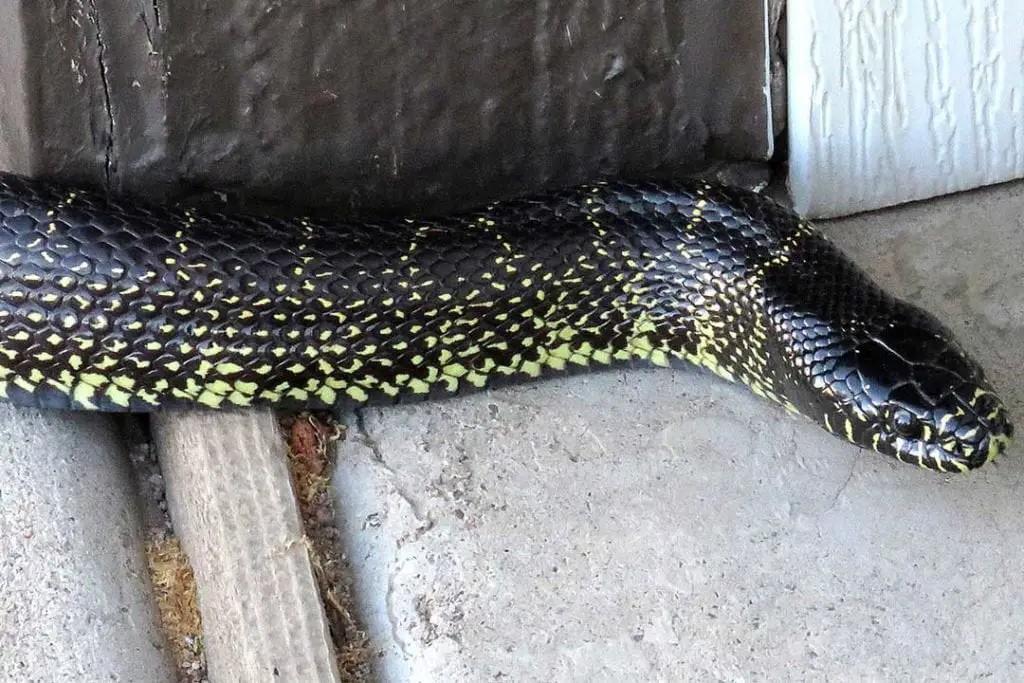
231 498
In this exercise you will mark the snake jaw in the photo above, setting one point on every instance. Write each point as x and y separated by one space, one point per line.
999 444
998 439
955 440
985 430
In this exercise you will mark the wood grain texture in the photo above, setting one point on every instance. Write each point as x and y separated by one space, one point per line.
231 498
896 100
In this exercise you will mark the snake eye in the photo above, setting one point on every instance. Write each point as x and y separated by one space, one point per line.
906 424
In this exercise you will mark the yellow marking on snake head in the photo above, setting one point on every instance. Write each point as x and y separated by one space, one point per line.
848 430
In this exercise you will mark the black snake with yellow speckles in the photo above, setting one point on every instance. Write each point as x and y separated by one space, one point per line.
112 305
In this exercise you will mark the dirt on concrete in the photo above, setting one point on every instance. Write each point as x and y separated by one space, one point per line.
309 439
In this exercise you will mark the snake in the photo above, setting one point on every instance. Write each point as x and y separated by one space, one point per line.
113 304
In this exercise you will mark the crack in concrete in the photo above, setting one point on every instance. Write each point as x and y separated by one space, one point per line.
364 435
391 615
842 487
426 522
151 30
101 54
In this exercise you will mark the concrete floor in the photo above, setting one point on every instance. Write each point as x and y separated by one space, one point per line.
75 602
663 526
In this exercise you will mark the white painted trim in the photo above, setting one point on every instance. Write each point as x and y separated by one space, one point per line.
896 100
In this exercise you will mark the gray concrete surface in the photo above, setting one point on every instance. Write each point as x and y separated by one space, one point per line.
666 526
75 600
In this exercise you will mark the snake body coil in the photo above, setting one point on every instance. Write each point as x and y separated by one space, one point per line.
112 305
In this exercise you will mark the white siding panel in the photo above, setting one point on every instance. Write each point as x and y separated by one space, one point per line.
896 100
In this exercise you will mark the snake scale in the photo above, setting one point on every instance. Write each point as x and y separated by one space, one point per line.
108 304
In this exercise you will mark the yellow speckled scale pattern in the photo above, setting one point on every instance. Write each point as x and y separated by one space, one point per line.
112 305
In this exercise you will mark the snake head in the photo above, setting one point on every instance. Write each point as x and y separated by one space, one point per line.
962 429
911 392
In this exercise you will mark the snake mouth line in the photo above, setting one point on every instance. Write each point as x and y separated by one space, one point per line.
973 453
998 445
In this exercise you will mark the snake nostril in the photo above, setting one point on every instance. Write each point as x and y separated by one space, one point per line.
986 404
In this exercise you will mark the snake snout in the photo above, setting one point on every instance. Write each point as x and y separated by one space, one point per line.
1000 432
983 430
